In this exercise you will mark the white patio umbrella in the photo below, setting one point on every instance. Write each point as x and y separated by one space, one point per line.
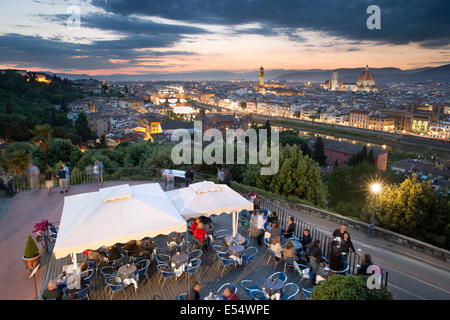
207 198
115 215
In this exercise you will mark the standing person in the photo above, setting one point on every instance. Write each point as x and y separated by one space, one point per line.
49 183
194 293
336 257
96 171
316 259
67 169
221 175
276 248
189 176
34 177
227 178
339 233
100 171
261 222
62 180
346 246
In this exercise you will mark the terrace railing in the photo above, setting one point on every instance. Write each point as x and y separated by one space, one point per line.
21 183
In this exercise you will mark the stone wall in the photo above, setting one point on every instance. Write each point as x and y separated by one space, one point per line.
387 235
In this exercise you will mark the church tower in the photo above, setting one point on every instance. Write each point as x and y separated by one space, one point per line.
261 77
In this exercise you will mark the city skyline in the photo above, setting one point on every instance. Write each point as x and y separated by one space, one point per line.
123 37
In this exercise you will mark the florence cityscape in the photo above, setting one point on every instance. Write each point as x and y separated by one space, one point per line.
100 99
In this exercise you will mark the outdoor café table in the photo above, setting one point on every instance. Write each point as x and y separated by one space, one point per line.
274 287
229 239
126 273
174 238
322 274
235 251
212 296
178 261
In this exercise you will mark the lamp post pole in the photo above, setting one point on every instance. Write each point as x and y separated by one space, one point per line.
372 222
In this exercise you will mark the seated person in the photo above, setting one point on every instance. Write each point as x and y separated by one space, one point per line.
131 247
305 239
113 253
199 233
73 293
194 225
275 231
83 266
52 292
194 294
367 262
336 262
290 230
94 255
140 250
272 217
275 247
289 251
229 295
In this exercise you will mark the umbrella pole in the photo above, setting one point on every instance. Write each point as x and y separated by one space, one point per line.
187 252
74 259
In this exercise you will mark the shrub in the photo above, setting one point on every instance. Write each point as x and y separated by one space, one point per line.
31 250
340 287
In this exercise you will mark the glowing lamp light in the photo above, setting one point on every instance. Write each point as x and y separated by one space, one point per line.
375 188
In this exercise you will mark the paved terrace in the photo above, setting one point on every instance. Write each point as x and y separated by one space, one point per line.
27 208
411 275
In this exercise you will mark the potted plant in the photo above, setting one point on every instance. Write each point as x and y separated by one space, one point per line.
39 229
31 254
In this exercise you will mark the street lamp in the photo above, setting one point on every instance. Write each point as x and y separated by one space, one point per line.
375 188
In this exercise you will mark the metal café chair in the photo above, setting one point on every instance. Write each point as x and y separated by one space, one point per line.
279 275
195 254
249 285
83 293
228 284
166 272
114 286
225 261
290 291
193 269
307 292
142 269
249 254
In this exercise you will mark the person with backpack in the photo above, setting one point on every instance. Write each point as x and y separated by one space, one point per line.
49 183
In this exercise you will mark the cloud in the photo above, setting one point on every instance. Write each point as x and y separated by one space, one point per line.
35 51
127 25
402 21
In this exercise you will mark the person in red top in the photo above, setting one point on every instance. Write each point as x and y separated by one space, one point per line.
194 225
199 233
229 295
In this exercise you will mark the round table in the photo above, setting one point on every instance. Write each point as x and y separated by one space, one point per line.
238 239
126 271
277 285
297 244
236 248
180 259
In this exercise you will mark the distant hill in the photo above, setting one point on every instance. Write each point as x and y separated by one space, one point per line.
389 74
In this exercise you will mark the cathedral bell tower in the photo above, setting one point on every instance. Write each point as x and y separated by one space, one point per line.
261 77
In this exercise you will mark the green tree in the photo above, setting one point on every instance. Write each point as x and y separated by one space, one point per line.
17 162
340 287
82 127
415 209
319 152
42 135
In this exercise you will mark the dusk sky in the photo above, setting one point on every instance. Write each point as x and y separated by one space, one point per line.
160 36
